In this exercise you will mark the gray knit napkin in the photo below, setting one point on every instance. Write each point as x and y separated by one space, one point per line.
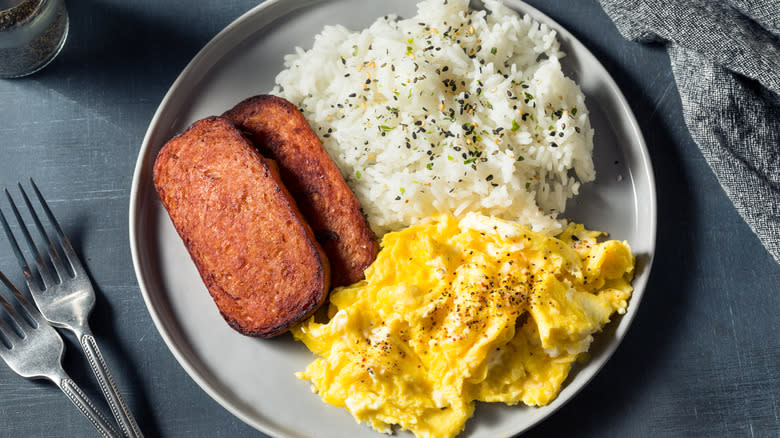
725 56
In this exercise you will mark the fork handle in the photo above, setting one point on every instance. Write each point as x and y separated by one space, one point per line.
110 390
84 404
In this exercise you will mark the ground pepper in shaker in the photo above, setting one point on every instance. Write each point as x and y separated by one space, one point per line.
32 33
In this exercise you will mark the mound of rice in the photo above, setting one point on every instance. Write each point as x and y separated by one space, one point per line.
452 110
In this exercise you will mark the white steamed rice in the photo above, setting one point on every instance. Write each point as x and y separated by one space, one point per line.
452 110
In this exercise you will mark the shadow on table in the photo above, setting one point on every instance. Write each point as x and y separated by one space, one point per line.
126 53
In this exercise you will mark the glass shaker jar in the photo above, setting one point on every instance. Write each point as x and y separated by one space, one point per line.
32 33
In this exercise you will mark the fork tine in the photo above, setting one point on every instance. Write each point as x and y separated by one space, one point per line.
17 251
5 338
8 333
30 313
43 270
15 330
67 248
54 256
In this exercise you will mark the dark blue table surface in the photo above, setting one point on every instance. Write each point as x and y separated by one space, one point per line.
701 359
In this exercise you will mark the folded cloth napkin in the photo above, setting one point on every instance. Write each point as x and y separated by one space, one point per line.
725 57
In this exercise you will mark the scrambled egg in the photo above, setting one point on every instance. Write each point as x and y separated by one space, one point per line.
453 312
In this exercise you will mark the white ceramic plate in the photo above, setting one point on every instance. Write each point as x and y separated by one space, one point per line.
253 378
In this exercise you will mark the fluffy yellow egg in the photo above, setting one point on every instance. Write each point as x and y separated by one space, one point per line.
453 312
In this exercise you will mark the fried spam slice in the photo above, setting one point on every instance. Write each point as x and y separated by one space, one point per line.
254 251
280 131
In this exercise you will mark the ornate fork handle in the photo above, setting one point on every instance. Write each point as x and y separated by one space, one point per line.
84 404
110 390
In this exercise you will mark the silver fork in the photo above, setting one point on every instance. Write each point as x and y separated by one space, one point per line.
65 297
33 349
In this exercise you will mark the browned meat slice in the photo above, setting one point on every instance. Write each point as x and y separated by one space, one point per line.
280 131
257 256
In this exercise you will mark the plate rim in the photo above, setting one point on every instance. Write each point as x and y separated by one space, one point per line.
195 372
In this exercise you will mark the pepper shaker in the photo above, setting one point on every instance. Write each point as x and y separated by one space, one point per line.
32 33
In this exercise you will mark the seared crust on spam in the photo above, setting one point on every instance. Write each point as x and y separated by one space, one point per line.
256 255
281 132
